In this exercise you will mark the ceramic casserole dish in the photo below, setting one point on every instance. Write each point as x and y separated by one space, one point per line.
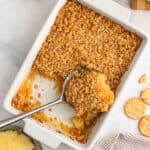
50 136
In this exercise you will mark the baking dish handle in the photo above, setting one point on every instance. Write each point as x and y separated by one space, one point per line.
109 7
39 133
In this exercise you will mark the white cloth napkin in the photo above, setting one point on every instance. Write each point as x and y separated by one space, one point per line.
123 141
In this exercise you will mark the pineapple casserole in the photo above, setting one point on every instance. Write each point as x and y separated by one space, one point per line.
82 37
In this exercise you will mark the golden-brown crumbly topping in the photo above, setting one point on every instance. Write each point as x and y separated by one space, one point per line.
82 36
135 108
88 91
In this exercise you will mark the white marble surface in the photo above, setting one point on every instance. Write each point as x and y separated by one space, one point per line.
20 22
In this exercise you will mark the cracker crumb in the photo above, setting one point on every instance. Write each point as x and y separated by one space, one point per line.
31 97
143 79
36 86
144 125
135 108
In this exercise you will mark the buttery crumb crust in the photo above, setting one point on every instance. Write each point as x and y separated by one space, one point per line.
81 36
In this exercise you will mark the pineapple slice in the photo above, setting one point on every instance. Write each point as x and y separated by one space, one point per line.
15 140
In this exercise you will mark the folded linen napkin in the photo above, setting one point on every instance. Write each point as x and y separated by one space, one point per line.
123 141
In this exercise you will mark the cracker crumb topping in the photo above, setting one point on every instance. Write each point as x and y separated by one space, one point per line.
88 91
81 36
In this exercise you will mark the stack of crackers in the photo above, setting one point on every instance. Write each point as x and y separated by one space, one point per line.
135 108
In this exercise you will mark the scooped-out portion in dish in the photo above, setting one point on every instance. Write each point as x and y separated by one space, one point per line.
89 93
81 37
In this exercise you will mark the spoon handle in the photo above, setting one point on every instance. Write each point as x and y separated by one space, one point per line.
16 118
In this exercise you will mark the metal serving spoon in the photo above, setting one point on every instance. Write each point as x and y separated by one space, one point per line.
16 118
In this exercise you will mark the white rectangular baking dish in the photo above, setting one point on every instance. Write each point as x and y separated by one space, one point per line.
49 136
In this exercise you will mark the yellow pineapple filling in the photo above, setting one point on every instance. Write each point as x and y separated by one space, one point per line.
15 140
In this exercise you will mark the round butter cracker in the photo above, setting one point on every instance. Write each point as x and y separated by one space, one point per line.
145 95
144 125
135 108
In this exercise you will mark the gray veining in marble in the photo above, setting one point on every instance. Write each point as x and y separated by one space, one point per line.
20 22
